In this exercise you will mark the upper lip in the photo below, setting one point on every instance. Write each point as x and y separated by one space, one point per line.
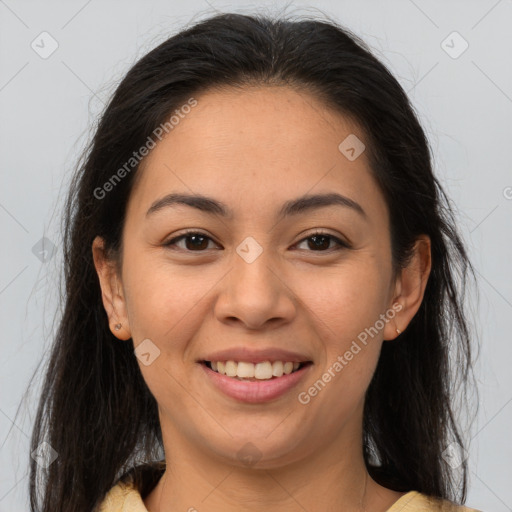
256 356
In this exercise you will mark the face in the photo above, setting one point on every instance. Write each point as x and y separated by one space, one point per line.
256 281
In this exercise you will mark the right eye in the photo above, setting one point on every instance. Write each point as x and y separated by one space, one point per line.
194 241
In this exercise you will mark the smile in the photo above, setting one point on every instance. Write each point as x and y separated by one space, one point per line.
255 382
259 371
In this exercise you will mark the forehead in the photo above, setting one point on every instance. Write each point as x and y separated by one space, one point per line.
254 147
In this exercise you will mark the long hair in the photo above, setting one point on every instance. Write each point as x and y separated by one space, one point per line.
95 409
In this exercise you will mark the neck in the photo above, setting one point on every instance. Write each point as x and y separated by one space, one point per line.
194 480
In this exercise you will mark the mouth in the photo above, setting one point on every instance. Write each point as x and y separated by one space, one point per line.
253 372
255 383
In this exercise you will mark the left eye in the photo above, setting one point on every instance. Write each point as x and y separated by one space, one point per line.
198 241
322 241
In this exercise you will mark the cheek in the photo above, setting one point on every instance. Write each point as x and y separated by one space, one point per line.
346 300
345 309
163 306
160 299
348 341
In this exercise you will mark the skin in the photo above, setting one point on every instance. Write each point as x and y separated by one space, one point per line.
254 149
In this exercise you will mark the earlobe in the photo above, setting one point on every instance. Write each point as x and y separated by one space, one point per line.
391 330
411 284
111 293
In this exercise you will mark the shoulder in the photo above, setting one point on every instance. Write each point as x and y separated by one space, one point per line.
128 493
414 501
123 497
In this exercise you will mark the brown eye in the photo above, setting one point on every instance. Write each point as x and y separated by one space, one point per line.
194 241
198 242
320 242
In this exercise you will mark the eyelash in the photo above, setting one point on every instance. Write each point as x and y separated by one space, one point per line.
341 244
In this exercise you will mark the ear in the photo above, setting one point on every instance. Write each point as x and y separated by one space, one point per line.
111 290
410 287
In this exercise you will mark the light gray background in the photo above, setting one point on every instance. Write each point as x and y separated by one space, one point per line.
47 107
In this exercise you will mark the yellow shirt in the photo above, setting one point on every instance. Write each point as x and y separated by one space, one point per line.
124 497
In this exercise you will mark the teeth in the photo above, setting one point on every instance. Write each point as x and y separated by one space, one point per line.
260 371
246 370
277 369
231 368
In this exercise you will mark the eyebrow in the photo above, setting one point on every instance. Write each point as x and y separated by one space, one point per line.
292 207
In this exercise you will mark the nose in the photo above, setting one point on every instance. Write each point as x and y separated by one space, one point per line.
256 292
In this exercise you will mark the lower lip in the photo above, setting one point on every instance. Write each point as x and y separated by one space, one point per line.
255 391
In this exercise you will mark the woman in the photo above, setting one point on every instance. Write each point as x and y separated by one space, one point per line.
264 281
